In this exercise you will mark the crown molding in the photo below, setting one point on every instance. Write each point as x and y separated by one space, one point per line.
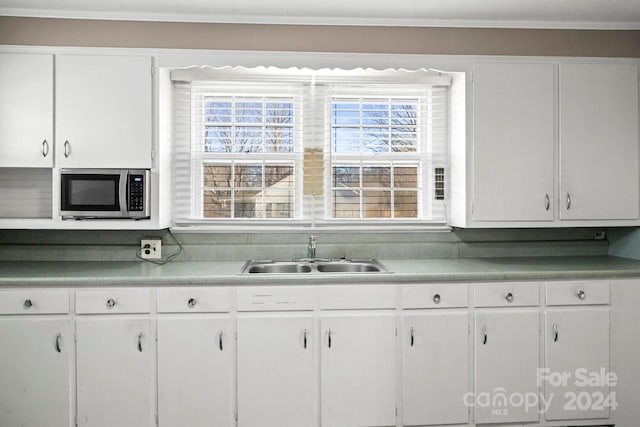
308 20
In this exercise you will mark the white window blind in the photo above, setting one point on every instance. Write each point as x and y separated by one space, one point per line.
309 149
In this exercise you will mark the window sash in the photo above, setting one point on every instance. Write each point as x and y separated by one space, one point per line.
312 124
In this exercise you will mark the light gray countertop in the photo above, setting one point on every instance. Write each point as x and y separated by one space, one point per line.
104 273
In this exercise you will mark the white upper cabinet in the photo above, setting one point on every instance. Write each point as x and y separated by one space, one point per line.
547 145
103 111
599 141
26 110
513 142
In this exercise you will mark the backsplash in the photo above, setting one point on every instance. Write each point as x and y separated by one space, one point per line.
624 242
37 245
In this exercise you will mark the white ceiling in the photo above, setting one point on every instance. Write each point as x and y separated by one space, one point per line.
597 14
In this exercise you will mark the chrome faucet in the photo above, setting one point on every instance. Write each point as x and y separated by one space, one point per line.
311 248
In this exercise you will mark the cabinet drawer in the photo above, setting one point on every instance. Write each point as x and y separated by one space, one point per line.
357 297
193 300
276 298
113 301
507 295
34 302
577 293
435 296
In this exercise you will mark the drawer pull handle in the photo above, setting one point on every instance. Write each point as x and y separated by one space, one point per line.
304 339
27 304
509 297
411 339
192 302
59 343
437 298
220 346
111 303
45 148
547 202
329 338
140 335
484 335
581 294
555 332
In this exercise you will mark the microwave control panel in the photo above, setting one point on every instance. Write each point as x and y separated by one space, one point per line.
136 192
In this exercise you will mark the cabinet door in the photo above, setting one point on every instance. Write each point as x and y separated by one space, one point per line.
507 362
26 110
435 369
577 345
358 366
513 142
276 384
598 141
103 111
35 372
195 372
115 383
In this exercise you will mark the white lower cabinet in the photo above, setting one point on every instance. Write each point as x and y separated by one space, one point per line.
435 367
577 359
276 365
35 368
506 365
115 372
358 369
195 371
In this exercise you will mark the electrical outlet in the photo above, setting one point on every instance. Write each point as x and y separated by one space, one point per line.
151 248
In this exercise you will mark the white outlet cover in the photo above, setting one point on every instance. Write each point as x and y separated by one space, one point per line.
151 248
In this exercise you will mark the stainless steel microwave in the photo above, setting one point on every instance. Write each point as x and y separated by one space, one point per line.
104 193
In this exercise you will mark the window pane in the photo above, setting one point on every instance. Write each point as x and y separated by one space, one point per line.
248 111
279 139
405 204
405 177
248 176
279 203
346 139
346 176
346 203
217 176
218 110
376 177
216 204
247 204
279 176
218 139
376 204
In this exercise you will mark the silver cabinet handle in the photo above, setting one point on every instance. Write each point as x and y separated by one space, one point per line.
220 346
484 335
59 343
411 339
329 338
304 338
45 148
568 201
555 332
111 303
581 294
509 297
192 302
27 304
140 335
67 149
547 202
437 298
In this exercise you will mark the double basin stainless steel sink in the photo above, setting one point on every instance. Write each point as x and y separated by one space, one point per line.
311 266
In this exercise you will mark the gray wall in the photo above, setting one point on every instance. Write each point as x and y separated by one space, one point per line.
319 38
624 242
122 245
